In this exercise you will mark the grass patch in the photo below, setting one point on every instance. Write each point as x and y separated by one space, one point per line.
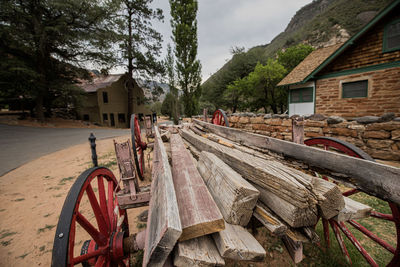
6 243
53 188
58 195
47 177
47 227
47 215
19 199
141 225
2 210
42 248
110 164
64 180
22 256
6 233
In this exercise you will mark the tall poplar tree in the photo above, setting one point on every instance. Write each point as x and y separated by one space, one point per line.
170 69
184 31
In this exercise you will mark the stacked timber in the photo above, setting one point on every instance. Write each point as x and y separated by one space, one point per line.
235 197
294 196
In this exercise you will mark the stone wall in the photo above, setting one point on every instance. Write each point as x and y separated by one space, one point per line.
378 136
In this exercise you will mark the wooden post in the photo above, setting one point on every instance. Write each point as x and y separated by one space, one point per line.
205 115
92 140
298 130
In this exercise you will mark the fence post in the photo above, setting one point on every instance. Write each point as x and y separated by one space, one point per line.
92 140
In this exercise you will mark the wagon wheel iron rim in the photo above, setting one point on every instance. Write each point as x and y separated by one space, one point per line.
351 150
96 186
138 146
220 118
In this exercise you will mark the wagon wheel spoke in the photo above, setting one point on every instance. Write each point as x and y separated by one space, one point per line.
351 150
137 146
340 240
220 118
78 219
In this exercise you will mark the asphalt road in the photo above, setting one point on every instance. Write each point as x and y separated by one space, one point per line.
20 144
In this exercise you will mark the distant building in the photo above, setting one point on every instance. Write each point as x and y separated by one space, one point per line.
107 101
357 78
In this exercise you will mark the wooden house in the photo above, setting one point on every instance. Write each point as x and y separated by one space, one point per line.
357 78
106 101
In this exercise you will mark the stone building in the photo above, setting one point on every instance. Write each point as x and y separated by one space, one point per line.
357 78
107 101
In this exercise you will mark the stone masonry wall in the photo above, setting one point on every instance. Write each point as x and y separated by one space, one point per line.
377 136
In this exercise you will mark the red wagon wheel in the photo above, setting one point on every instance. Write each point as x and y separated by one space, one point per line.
351 150
138 146
91 212
220 118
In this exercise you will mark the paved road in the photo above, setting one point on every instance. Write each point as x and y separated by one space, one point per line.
19 144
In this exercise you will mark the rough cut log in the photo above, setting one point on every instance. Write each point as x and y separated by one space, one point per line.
292 215
236 243
289 184
200 251
272 223
192 149
330 199
235 197
163 222
198 212
374 178
353 210
295 248
310 233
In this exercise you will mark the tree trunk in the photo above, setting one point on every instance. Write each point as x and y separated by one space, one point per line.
130 84
39 107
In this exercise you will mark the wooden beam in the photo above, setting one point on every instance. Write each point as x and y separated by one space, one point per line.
235 197
330 198
353 210
163 222
200 251
289 184
271 222
295 248
198 212
371 177
289 213
236 243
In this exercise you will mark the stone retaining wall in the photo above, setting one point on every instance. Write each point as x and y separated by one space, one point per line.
377 136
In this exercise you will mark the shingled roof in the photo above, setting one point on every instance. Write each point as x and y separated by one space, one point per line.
99 82
308 65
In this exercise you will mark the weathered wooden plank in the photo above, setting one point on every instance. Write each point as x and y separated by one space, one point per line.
198 212
235 197
272 223
163 222
353 210
295 248
287 183
200 251
374 178
236 243
330 198
292 215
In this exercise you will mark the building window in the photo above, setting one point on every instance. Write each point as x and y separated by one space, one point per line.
391 36
355 89
105 97
121 117
85 117
105 117
301 95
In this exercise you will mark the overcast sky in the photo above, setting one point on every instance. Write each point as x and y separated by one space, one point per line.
223 24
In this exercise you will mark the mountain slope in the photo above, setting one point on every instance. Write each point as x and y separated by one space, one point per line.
320 23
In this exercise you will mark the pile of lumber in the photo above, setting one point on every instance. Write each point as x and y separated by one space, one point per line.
290 201
197 215
207 188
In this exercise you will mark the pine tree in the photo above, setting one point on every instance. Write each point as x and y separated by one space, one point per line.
184 31
46 44
140 43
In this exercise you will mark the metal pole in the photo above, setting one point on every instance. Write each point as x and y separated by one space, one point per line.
92 140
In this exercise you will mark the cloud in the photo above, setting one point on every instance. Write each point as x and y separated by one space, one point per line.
223 24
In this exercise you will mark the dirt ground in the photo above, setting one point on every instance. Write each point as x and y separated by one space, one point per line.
31 198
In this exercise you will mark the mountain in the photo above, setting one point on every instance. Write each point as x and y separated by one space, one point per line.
320 23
